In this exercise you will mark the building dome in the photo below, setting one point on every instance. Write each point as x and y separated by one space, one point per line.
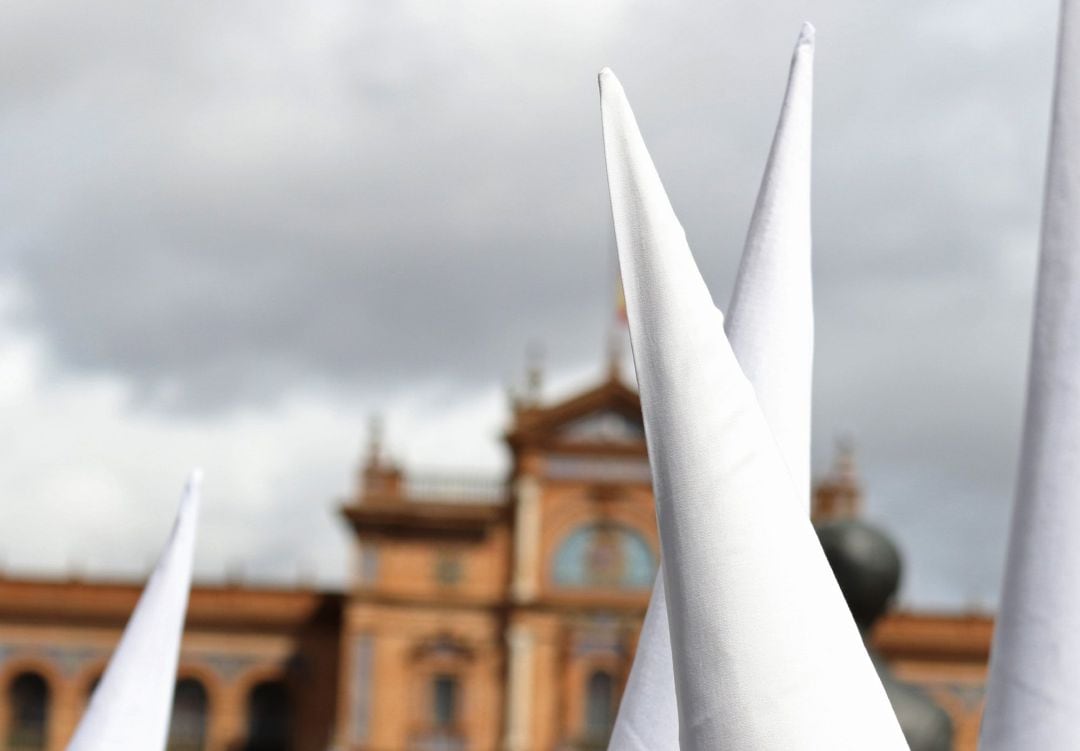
926 726
867 567
866 564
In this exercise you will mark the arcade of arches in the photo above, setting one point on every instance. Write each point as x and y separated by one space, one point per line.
480 616
30 704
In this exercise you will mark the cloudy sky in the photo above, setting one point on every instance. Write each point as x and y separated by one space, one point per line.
232 232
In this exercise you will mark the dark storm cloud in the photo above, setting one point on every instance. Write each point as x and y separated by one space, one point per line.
227 204
223 225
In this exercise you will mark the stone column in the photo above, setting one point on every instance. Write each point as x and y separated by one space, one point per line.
526 578
519 689
66 706
361 664
227 726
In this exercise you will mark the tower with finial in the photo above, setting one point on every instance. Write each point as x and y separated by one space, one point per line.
839 494
379 477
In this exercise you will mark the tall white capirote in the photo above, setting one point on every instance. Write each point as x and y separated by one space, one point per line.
131 706
770 320
770 324
765 652
1033 692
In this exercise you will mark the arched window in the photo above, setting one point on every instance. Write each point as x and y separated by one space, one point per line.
28 713
602 556
187 728
599 705
444 701
269 718
438 671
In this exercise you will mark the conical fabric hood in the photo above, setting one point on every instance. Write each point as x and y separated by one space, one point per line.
770 321
771 328
765 653
1033 693
131 706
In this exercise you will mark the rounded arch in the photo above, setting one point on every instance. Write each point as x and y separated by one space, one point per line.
269 716
634 508
9 672
209 678
599 704
440 691
255 675
262 733
30 664
28 703
190 720
603 554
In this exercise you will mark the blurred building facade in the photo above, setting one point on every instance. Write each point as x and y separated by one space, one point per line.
480 616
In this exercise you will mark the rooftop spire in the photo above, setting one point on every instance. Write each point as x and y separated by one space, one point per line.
379 476
375 440
839 494
534 373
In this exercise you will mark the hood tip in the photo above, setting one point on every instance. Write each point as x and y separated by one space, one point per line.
606 77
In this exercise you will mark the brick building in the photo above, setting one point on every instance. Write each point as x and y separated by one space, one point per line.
480 616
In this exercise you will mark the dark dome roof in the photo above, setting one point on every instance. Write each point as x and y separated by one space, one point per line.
866 564
926 726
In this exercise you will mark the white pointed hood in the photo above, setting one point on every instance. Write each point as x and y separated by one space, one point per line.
766 655
770 321
771 328
1033 693
131 707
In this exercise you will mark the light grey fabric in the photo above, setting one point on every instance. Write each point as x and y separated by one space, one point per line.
765 653
770 325
1033 699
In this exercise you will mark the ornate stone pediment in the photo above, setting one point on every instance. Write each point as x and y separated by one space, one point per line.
606 416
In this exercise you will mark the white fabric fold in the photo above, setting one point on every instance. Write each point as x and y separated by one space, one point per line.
770 326
765 653
131 707
770 320
1033 690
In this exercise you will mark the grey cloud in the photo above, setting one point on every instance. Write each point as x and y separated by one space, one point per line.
226 205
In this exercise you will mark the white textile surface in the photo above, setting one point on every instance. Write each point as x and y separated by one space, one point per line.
765 653
131 706
770 325
1033 692
770 321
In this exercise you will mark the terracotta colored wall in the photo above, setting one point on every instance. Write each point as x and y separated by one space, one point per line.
407 568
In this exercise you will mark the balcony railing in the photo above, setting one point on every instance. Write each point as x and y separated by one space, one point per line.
455 488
